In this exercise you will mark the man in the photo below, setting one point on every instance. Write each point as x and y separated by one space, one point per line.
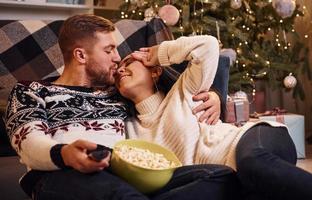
52 126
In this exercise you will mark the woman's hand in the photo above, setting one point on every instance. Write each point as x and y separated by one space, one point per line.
148 56
211 106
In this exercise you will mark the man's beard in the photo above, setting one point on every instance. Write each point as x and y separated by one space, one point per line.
99 79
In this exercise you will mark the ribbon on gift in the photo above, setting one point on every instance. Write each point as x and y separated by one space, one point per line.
278 112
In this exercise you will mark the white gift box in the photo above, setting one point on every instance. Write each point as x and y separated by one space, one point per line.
295 125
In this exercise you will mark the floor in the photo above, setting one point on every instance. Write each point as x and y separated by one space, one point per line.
306 163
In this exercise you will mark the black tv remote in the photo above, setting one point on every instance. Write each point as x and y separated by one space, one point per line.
99 153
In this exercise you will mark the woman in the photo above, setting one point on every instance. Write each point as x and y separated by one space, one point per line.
262 153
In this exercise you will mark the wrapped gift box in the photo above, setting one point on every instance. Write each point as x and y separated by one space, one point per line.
237 110
295 125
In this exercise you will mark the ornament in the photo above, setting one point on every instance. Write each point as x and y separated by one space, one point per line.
170 14
285 8
215 6
149 14
236 4
290 81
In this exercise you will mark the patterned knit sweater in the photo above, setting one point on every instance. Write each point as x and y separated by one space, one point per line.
41 116
169 121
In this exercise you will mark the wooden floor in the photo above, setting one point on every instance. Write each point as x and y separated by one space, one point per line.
306 163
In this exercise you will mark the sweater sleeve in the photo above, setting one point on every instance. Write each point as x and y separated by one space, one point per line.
203 54
27 128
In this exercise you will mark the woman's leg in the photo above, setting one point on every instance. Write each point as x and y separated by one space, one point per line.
213 182
266 158
73 185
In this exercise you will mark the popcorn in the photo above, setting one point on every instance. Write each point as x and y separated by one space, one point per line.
143 157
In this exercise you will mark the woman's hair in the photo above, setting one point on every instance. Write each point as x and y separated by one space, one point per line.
80 31
169 76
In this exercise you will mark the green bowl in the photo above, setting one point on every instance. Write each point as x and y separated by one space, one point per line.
144 179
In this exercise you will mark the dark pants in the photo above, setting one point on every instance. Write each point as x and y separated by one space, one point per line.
266 159
209 182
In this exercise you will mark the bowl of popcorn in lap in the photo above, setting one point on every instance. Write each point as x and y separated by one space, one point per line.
145 165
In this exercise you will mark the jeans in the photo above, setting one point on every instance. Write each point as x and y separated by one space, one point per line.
213 182
266 165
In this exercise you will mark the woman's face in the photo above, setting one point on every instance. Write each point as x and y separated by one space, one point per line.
133 79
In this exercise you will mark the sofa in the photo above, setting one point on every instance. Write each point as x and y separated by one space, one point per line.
29 51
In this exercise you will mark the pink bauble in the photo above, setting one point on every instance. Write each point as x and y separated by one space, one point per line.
169 14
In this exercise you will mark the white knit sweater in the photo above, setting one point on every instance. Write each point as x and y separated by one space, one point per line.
168 120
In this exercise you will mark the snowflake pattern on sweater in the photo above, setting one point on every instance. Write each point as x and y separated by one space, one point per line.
62 114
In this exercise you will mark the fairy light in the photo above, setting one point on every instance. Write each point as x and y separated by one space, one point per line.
293 30
244 65
281 21
233 35
156 5
268 62
279 44
133 11
297 15
269 29
240 44
236 61
246 42
247 28
306 36
285 47
244 26
140 13
256 55
233 18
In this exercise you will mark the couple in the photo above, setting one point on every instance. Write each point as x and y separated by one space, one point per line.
52 125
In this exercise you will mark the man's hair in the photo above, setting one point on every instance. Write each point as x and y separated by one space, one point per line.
80 31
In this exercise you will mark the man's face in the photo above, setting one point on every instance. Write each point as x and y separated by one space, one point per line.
103 60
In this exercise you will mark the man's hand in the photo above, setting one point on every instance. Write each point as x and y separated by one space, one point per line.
211 106
148 56
75 155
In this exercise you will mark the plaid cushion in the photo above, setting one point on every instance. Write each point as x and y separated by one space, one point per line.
29 52
29 49
134 34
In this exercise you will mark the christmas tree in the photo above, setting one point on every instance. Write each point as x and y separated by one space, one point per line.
259 35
